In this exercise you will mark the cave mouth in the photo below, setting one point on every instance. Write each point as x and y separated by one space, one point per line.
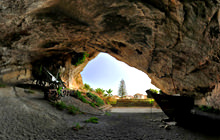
106 72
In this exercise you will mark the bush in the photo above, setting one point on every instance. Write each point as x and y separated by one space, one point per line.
95 98
154 91
79 58
151 91
87 87
92 120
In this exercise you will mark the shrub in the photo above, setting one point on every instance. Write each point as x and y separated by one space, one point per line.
79 58
154 91
95 98
87 87
151 91
92 120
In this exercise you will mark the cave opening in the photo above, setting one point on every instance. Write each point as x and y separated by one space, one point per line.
106 72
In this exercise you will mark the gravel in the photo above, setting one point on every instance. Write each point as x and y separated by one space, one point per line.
25 115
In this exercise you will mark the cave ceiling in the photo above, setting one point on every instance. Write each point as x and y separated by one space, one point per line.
169 40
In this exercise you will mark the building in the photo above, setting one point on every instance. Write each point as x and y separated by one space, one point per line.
140 96
128 97
116 97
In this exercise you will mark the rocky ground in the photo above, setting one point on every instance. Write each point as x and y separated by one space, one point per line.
26 115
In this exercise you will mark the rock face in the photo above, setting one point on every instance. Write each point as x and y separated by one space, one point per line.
167 39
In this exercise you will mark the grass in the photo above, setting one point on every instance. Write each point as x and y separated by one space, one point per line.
108 114
99 101
92 104
78 95
209 109
2 85
29 91
92 120
59 105
73 110
77 127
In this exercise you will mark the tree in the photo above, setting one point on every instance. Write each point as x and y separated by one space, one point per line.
87 87
100 91
122 89
109 92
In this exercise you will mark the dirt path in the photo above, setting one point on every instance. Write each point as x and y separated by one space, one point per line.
28 116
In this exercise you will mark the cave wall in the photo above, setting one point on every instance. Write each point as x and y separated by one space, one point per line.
167 39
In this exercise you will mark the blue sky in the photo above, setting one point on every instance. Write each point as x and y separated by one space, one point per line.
106 72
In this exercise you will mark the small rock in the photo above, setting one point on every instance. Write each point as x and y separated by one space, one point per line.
171 123
167 127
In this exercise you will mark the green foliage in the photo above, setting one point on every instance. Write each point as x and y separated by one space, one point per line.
77 127
108 114
95 98
209 109
59 105
78 95
151 101
80 58
161 92
100 91
154 91
29 91
2 85
92 120
59 90
134 102
87 87
73 110
109 92
92 104
113 102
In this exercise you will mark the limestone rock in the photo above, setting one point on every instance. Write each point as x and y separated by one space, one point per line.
167 39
